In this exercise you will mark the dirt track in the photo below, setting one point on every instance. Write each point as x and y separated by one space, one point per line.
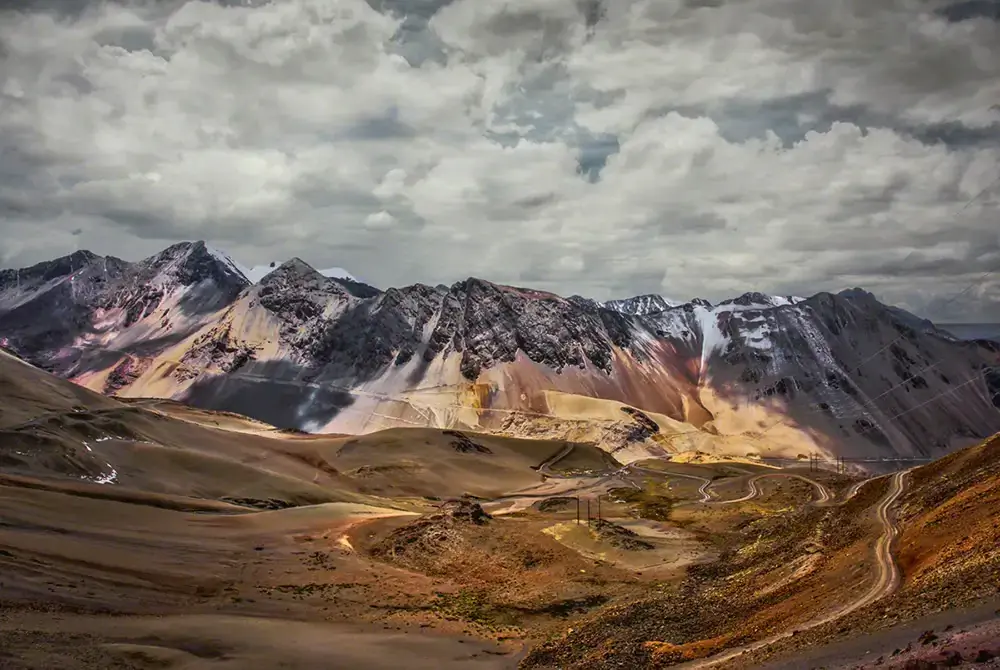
702 491
885 583
824 493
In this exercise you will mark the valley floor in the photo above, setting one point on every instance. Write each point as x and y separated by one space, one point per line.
438 549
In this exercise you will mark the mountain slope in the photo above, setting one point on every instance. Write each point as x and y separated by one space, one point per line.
56 430
840 374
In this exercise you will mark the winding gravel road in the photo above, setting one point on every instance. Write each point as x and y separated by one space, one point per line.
887 581
705 483
824 493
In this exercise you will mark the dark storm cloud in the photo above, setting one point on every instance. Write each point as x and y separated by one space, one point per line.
971 9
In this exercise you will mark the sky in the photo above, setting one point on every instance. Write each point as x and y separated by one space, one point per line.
593 147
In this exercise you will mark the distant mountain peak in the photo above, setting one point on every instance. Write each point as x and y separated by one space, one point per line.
337 273
758 299
295 274
191 263
47 271
296 266
641 305
857 293
257 273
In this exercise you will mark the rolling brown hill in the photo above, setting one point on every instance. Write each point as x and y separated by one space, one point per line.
149 534
193 532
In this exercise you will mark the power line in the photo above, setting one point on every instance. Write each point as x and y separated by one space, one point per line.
946 303
926 402
912 409
870 402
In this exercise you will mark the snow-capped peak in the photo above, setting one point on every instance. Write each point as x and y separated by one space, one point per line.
255 274
642 305
229 264
337 273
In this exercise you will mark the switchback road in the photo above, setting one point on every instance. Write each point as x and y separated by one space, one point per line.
753 491
886 582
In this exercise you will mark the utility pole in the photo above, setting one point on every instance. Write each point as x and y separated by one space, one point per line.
588 511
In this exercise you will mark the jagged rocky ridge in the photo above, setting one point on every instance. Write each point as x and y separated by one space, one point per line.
641 304
188 323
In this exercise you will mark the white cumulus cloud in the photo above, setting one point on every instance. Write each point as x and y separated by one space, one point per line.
589 147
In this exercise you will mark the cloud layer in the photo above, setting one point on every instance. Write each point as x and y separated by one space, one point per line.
688 147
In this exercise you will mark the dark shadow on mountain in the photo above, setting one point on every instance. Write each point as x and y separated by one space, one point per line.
50 322
356 288
370 336
274 392
95 358
416 375
210 284
888 386
206 298
156 345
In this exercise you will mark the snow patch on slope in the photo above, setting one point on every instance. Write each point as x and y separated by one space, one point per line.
782 301
712 337
770 302
757 334
653 304
673 324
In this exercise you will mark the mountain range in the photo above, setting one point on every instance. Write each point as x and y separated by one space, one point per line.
838 374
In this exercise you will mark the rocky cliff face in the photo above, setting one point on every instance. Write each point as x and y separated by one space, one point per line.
839 373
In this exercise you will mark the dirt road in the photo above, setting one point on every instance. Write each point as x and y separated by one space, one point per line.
545 465
886 582
888 570
705 483
824 493
853 491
